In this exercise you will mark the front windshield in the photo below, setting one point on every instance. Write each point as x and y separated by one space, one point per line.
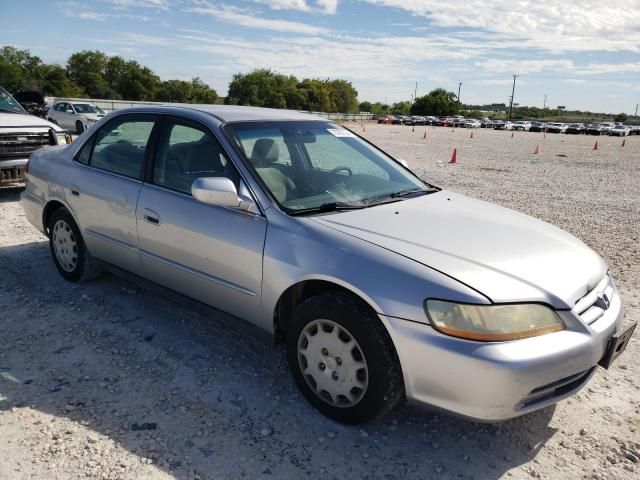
308 165
8 104
86 108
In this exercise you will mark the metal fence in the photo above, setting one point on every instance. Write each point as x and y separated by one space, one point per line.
110 105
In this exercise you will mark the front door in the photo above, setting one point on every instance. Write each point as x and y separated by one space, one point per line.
105 185
210 253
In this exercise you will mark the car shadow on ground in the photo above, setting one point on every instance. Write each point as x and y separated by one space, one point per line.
184 389
11 193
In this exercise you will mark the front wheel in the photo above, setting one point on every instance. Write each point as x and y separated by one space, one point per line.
69 252
79 127
342 358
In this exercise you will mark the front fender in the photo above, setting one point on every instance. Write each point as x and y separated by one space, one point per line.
298 249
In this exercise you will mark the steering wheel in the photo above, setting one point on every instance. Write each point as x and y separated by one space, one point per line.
341 168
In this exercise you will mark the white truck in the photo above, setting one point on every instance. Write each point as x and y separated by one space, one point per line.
20 135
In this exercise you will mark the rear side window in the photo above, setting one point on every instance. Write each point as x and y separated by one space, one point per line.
120 146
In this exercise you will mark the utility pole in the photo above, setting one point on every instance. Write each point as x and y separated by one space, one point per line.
545 102
459 85
513 91
415 92
636 110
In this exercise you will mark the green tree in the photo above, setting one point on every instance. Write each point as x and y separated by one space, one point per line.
344 98
260 88
366 107
438 102
17 68
401 108
177 91
87 69
53 81
201 92
621 117
318 94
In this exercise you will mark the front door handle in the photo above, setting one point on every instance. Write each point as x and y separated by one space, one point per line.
151 216
74 191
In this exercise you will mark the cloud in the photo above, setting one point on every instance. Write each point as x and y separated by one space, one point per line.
244 18
158 4
320 6
551 25
524 66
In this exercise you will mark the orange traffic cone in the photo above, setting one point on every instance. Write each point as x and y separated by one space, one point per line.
537 150
471 136
624 141
511 134
596 147
425 135
413 128
454 156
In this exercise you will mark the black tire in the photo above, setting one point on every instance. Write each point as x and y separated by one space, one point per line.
79 127
384 387
84 267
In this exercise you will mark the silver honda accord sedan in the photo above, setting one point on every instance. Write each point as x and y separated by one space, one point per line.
381 285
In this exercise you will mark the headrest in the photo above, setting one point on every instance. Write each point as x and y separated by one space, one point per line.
265 151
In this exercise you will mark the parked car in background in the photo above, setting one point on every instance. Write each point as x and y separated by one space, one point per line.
386 119
77 116
522 125
607 126
595 129
634 130
619 131
499 125
471 123
398 120
429 120
575 128
417 120
22 134
362 269
486 123
32 101
537 126
556 127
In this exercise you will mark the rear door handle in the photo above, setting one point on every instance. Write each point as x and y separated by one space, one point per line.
151 216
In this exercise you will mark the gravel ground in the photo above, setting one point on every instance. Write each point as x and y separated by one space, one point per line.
108 380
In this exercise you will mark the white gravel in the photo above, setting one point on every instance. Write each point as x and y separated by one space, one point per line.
106 380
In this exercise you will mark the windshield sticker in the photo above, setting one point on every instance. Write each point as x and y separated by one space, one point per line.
340 132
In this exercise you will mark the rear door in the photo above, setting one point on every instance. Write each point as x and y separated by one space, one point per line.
210 253
105 188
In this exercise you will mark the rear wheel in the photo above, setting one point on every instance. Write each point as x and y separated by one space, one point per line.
342 358
79 127
69 252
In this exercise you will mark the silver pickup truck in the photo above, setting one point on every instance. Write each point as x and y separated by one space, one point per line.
20 135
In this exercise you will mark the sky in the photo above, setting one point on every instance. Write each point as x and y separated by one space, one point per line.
582 54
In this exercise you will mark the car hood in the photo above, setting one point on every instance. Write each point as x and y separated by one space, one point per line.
505 255
13 120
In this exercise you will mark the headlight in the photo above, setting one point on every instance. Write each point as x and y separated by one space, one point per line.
91 120
63 138
493 323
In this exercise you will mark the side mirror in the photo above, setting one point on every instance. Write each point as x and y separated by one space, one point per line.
219 191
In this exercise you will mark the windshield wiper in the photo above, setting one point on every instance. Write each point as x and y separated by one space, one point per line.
328 207
410 191
7 110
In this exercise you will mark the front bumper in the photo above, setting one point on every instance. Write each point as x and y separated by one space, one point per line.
12 171
491 382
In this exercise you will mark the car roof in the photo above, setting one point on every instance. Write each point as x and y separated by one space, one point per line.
229 113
